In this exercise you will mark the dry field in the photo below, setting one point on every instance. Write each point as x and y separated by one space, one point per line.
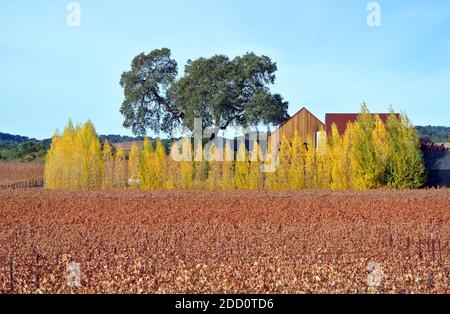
235 242
16 174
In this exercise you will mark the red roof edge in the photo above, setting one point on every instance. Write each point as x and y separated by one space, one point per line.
342 119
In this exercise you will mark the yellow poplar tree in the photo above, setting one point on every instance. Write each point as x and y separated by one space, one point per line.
363 152
310 165
284 166
406 169
381 148
75 159
133 166
242 168
214 168
120 168
270 177
108 179
79 163
86 158
72 157
53 164
337 160
415 175
160 165
147 166
172 173
347 141
186 166
227 168
201 168
255 176
89 156
296 172
95 165
322 161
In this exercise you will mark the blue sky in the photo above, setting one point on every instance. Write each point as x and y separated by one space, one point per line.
329 59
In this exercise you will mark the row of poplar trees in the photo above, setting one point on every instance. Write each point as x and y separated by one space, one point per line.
371 154
76 161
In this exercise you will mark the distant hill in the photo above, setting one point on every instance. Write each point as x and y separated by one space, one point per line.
120 139
13 139
6 138
23 148
437 134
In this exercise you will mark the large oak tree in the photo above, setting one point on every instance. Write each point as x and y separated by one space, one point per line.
220 91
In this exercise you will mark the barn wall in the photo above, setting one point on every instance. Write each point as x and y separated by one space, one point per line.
438 168
305 123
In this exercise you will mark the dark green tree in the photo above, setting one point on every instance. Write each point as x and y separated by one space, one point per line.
147 104
220 91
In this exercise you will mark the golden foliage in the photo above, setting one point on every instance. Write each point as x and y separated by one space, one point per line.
214 172
186 165
108 178
133 166
370 154
242 168
120 168
147 166
228 180
75 159
255 174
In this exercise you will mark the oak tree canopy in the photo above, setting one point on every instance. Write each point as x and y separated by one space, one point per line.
221 91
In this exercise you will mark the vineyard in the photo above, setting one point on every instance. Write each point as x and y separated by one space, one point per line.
20 175
234 242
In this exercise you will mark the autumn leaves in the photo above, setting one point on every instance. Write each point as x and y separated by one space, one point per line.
370 154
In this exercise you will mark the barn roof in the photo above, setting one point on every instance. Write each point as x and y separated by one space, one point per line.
342 119
298 112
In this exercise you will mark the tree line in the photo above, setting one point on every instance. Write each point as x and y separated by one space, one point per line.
29 151
437 134
371 154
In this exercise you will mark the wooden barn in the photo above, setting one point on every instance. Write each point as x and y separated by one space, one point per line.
304 123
